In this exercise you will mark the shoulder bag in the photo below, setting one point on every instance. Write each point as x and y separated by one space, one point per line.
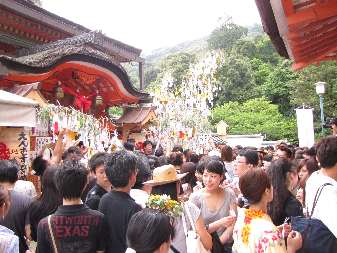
316 237
52 234
193 241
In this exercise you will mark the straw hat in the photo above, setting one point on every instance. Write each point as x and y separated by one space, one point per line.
164 175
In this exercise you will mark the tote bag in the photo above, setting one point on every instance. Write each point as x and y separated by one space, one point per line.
193 241
316 236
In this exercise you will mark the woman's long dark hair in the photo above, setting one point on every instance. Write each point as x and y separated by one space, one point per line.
148 229
47 203
277 172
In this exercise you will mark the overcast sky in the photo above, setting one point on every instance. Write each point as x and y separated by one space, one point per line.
152 24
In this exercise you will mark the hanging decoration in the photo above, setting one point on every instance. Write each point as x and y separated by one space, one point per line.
82 103
184 118
93 132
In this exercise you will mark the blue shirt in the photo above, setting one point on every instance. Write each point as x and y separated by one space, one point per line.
9 241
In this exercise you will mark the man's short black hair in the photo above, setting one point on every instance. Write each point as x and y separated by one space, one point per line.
144 171
39 165
96 160
147 142
251 156
177 148
333 121
327 152
8 171
287 150
71 178
159 151
80 144
153 161
129 146
270 148
120 165
268 158
311 151
194 158
72 153
176 158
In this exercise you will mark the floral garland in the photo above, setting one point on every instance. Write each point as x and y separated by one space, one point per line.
165 204
249 216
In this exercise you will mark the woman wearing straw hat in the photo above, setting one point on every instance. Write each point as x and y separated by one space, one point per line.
166 181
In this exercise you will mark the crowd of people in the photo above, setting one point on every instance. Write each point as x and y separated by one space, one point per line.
233 199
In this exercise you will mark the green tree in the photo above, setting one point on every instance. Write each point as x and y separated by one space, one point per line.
261 72
255 116
225 36
115 111
235 80
266 51
178 65
278 85
245 47
151 74
303 89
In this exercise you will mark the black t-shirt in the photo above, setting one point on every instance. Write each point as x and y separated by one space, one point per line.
76 228
118 208
94 196
17 217
36 212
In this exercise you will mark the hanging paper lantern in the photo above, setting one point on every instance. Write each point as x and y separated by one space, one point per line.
59 92
99 100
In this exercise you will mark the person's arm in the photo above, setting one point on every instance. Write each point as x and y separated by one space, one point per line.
221 223
227 235
58 150
294 242
28 231
205 237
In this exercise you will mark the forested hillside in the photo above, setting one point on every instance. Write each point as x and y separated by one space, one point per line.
248 75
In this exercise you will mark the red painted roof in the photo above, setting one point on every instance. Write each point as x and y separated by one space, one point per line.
308 28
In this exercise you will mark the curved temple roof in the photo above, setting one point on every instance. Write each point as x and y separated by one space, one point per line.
79 64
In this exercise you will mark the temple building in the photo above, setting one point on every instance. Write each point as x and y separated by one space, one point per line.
72 65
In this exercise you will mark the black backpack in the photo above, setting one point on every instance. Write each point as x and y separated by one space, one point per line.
316 236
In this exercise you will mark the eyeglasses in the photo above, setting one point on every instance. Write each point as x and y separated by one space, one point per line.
239 162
